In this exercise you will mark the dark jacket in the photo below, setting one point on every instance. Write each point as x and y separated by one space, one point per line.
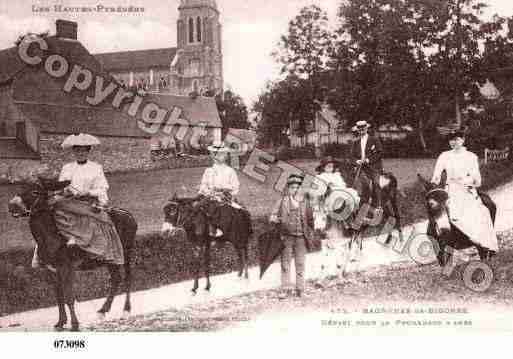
373 151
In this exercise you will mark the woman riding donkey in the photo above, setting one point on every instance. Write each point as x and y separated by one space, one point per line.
79 213
218 188
327 210
468 211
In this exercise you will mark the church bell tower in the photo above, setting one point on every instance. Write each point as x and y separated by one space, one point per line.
198 64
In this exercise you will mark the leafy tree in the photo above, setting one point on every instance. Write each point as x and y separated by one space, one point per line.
303 53
232 111
281 104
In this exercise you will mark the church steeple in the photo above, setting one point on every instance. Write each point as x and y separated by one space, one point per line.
198 66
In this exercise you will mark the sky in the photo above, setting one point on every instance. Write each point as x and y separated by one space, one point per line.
251 30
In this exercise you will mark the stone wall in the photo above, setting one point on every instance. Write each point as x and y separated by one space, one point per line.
116 154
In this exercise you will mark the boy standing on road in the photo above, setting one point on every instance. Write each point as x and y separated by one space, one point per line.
293 213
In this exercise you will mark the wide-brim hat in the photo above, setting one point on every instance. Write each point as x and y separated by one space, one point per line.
82 139
361 125
325 161
218 146
295 178
453 134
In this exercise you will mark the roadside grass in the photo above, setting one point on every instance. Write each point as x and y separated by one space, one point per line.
162 261
386 286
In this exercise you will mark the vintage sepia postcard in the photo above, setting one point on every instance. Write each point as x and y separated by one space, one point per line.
338 167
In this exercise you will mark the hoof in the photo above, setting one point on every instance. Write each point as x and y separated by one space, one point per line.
75 328
193 291
59 327
100 316
126 314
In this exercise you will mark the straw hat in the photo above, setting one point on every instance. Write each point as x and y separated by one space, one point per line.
218 146
361 125
82 139
295 179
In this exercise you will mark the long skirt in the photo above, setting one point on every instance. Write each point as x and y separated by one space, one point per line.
91 231
468 213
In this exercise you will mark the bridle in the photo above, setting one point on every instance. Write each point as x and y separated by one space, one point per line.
179 222
435 190
30 211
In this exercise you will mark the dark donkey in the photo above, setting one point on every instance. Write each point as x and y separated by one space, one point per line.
358 219
440 227
33 203
184 213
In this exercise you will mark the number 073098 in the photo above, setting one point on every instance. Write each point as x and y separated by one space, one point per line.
69 344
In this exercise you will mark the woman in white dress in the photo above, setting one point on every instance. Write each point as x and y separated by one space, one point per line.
336 187
219 185
79 214
466 210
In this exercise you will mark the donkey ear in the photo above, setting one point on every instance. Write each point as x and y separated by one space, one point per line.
423 181
443 178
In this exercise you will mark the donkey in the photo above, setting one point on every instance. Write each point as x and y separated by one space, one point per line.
185 214
440 227
34 204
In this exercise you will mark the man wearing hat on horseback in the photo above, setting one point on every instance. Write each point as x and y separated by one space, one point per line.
218 188
79 213
471 213
367 153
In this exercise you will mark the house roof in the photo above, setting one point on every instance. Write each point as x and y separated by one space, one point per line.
199 111
132 60
10 64
41 98
246 136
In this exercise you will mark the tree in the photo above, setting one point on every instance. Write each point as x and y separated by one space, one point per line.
232 111
401 58
281 104
303 53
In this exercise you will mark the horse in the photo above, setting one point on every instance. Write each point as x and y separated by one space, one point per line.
186 214
34 204
352 221
440 228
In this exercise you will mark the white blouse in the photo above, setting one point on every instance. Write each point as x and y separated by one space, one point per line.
86 179
462 167
333 179
219 176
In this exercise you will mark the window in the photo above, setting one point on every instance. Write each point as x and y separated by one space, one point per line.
194 68
191 30
198 29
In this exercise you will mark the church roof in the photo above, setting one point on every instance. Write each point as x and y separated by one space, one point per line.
196 3
139 59
40 99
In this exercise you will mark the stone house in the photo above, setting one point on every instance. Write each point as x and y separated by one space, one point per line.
37 111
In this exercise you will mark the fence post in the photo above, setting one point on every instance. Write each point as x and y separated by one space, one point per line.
486 156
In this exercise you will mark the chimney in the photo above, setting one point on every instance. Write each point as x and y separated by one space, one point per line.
66 29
